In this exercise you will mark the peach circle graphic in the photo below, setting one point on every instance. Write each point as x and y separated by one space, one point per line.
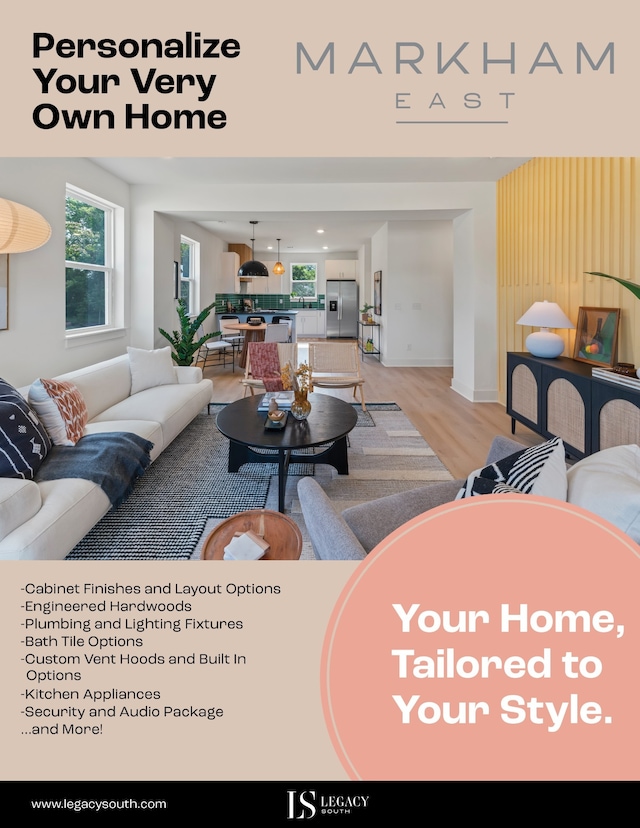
495 638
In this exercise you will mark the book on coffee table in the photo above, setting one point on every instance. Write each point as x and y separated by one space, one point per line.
283 398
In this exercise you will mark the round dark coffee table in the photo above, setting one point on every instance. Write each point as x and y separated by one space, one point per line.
330 421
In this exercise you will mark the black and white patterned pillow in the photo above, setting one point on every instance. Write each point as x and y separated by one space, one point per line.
539 470
484 486
24 442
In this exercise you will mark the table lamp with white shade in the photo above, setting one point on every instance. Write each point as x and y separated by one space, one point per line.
544 343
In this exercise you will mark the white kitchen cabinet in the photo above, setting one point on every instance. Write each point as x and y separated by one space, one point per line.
310 323
227 281
340 268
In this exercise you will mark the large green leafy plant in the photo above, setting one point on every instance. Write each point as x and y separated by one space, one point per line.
183 342
634 287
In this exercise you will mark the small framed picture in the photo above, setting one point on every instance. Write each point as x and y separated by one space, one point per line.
597 336
377 292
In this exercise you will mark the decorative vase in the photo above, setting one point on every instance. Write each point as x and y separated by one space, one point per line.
300 407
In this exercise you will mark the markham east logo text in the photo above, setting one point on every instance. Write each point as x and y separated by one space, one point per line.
428 67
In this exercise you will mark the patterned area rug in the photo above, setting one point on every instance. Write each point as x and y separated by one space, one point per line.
170 505
187 490
187 487
386 456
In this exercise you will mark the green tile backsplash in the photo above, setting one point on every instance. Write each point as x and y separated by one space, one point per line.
265 301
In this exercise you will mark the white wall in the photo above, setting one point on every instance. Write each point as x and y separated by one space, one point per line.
417 294
166 250
35 344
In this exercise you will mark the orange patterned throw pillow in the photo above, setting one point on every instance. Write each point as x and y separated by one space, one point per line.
61 408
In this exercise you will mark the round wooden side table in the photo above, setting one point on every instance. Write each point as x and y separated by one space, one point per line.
282 534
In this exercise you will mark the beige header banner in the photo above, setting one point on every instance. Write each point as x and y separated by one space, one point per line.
286 79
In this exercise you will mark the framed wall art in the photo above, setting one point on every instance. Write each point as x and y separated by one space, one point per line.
377 292
597 336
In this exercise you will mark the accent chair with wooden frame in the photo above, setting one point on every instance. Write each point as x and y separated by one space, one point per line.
287 352
336 365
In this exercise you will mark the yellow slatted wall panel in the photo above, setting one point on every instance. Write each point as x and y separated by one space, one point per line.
557 218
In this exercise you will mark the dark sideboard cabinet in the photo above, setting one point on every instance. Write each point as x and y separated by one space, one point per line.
560 398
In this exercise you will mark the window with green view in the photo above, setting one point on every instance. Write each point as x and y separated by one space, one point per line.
89 261
304 281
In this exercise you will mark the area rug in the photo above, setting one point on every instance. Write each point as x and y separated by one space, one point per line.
387 455
187 485
187 490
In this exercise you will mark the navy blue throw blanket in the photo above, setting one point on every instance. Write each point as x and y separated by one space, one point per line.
113 460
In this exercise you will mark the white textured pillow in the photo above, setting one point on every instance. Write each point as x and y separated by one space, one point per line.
608 484
150 368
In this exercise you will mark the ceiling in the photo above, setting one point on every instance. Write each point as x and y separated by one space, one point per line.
344 231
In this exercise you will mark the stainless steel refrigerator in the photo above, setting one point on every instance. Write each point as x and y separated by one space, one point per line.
341 302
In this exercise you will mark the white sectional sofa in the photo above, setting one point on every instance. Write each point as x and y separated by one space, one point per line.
45 520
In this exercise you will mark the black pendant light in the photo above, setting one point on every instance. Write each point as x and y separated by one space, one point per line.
253 269
278 268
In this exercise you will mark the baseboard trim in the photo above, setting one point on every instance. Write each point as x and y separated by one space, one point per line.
480 395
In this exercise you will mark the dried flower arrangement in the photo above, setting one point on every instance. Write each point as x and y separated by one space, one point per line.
296 380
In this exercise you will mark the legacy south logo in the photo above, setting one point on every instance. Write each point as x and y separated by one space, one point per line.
308 804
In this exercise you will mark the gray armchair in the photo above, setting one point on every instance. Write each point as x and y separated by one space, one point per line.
354 533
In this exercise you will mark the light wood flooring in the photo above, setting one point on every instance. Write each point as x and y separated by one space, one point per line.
459 431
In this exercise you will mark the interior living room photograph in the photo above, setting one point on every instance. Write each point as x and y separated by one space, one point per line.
423 329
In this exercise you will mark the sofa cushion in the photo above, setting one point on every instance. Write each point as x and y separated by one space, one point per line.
608 484
150 368
172 406
19 502
24 442
149 429
538 470
103 384
70 508
61 409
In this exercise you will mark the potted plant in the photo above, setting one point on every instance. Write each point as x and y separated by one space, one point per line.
632 286
364 310
182 341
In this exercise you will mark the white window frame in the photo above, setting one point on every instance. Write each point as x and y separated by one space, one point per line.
314 282
112 276
193 276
